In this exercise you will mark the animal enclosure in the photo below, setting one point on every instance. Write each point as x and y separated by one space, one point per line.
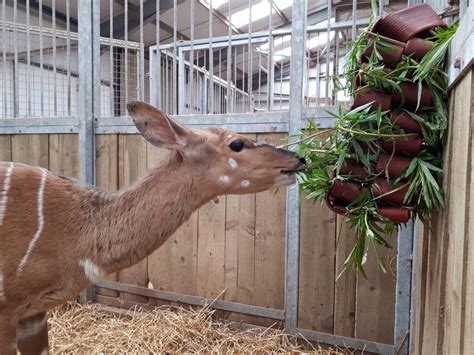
262 68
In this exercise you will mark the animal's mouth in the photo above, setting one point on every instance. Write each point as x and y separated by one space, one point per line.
292 171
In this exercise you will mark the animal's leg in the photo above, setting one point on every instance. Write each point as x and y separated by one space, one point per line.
32 335
7 335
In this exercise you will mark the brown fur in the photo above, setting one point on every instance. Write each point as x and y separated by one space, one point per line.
115 230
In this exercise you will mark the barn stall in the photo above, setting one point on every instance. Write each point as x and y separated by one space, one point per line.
68 70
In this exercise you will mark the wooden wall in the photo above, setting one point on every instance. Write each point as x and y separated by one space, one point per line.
445 268
237 244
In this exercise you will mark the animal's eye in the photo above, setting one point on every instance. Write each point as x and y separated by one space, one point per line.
237 145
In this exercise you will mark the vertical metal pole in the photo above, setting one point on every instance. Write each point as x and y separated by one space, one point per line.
211 62
16 81
403 287
354 15
4 57
229 60
175 40
28 58
328 50
40 23
68 56
191 63
125 80
142 57
250 69
55 82
111 58
271 64
89 92
298 44
156 62
181 82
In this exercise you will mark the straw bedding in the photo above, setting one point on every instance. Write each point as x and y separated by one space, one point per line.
89 329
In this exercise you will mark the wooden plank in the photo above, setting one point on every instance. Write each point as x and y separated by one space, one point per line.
345 286
132 166
317 274
64 155
457 253
211 249
173 267
469 308
106 178
375 303
5 148
270 241
31 149
240 251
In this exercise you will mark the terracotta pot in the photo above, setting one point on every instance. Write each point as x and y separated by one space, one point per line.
417 48
336 206
410 145
391 53
351 168
346 191
405 122
407 23
408 98
395 214
382 187
378 99
396 166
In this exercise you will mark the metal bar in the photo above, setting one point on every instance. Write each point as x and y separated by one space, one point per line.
181 83
344 342
28 58
298 42
403 287
270 64
55 86
211 63
354 15
229 60
249 50
194 300
41 125
68 56
381 7
40 23
125 80
328 50
89 64
157 57
4 66
142 57
111 57
175 40
191 60
16 92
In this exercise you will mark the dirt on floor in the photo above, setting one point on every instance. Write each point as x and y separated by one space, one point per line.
75 328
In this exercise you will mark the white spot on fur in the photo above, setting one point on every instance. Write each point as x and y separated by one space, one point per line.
45 352
44 175
150 285
224 179
33 328
4 192
233 164
245 183
92 271
229 136
2 289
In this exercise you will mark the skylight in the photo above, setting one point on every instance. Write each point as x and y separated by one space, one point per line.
259 11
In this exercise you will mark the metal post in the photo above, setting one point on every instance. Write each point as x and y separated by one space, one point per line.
89 92
298 44
181 82
403 287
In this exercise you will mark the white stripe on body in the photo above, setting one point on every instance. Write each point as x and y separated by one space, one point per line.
44 175
2 288
4 192
93 272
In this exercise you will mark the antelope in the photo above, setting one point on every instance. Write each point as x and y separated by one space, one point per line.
58 237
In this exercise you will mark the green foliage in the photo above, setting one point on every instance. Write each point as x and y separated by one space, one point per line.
358 134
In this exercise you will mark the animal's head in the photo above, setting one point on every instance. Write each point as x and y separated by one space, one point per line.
231 162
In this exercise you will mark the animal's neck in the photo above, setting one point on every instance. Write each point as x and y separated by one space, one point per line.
140 219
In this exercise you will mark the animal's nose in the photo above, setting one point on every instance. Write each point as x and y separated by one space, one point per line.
302 160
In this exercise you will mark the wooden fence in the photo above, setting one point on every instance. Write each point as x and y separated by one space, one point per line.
445 267
237 245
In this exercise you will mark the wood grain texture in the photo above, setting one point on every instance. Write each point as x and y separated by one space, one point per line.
375 298
317 274
345 286
32 149
240 252
457 200
270 241
211 249
5 148
64 154
173 267
107 179
132 166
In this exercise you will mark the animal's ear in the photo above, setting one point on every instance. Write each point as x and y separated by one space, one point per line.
157 128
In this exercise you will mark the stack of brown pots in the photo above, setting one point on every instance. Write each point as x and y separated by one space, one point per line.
404 33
